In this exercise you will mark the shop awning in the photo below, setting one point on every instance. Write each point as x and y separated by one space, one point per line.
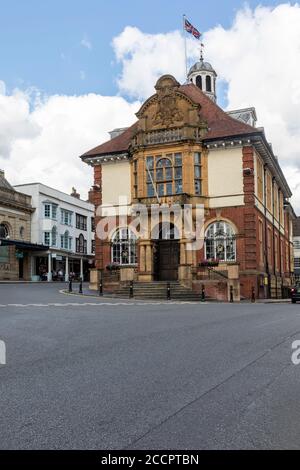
22 245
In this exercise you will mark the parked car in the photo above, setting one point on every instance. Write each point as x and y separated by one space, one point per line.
295 293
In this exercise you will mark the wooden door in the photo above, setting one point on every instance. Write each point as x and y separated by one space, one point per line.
168 260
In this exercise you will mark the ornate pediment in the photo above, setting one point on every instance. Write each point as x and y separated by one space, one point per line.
168 107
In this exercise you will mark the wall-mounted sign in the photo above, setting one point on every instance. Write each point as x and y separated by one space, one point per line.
19 254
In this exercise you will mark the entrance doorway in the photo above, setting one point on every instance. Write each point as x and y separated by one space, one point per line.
166 254
21 268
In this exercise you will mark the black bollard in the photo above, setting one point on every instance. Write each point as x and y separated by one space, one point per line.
231 294
70 285
80 286
168 291
202 293
100 288
253 294
131 290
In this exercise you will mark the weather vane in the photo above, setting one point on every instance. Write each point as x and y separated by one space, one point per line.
201 51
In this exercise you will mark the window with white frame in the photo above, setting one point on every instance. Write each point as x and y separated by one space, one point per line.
124 247
66 217
50 237
297 244
54 236
66 241
297 263
47 238
220 242
50 210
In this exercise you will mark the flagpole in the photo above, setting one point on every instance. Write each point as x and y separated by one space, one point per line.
185 50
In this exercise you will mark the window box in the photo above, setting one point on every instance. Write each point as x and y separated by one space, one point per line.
112 267
209 263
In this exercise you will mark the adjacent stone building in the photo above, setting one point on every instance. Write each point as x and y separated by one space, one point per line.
185 149
15 227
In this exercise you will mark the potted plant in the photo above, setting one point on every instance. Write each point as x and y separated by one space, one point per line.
112 267
209 263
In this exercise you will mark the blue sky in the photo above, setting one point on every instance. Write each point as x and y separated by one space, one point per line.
67 49
40 41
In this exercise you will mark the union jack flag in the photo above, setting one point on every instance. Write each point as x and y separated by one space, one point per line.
191 29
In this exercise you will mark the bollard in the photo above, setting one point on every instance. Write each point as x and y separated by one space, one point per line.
253 294
100 288
231 294
80 286
202 293
70 284
131 290
168 291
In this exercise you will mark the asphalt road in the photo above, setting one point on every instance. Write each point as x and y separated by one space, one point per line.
108 374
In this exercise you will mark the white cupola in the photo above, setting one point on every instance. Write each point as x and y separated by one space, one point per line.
204 76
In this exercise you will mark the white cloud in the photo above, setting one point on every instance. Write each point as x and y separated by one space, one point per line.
42 140
2 88
258 57
145 57
85 42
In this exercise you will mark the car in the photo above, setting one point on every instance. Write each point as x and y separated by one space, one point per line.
295 294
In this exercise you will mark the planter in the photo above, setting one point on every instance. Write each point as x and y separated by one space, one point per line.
113 267
209 264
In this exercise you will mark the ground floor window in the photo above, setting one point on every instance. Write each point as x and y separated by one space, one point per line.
220 242
124 248
4 231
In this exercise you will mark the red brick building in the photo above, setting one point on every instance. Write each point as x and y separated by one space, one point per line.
184 149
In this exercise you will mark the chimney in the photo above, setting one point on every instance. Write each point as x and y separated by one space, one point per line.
2 173
74 193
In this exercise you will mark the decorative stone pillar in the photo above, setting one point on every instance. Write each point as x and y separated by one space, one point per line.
142 257
186 262
146 261
149 257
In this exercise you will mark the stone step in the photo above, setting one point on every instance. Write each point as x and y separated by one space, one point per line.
158 291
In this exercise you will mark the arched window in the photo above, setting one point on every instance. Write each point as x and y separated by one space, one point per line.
4 231
199 82
22 232
164 170
81 244
54 236
208 83
123 249
220 242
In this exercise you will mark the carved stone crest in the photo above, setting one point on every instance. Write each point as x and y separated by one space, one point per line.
167 110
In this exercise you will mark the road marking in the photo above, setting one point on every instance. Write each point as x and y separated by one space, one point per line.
94 304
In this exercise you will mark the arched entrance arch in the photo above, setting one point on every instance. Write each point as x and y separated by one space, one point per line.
166 252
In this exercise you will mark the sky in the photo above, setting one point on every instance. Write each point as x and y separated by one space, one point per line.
70 71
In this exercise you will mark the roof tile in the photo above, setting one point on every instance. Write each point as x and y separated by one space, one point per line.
220 125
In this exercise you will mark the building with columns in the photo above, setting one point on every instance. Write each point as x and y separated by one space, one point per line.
185 150
65 224
16 249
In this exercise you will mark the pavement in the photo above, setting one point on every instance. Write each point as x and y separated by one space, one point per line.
104 373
